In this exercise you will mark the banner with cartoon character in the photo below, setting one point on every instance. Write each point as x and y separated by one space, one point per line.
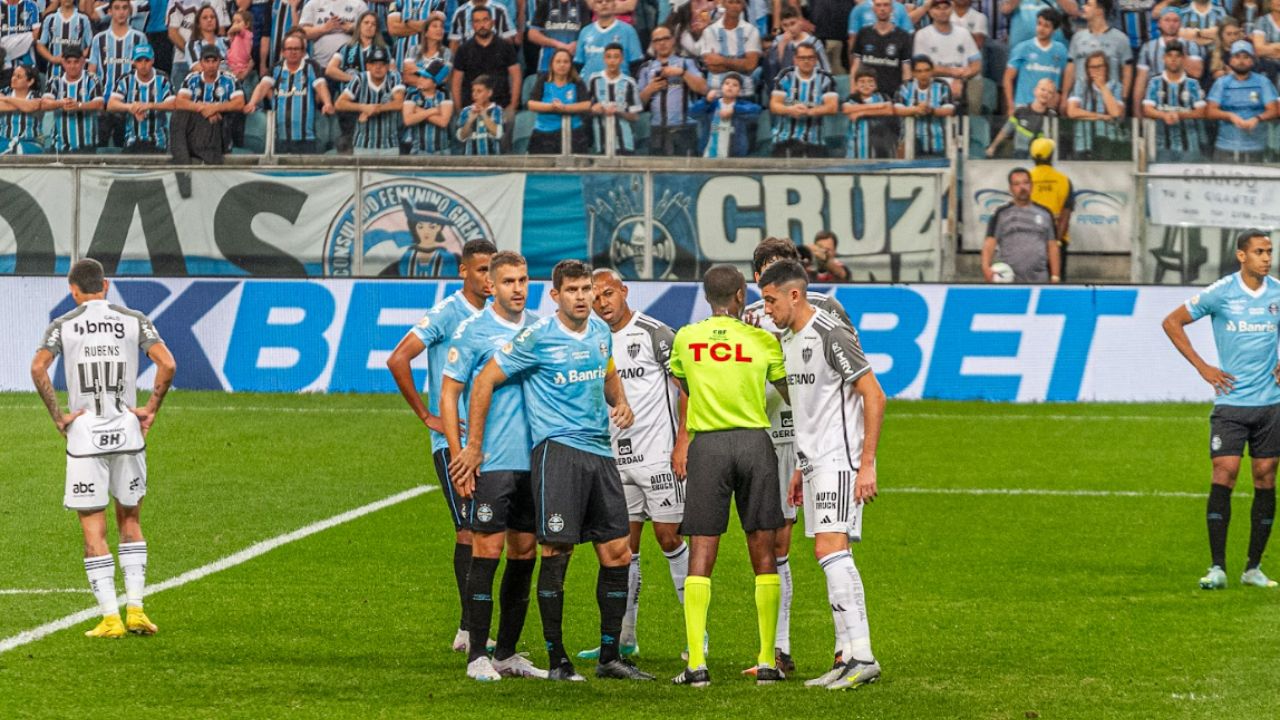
414 225
1102 221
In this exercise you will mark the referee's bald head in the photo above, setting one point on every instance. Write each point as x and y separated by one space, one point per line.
721 284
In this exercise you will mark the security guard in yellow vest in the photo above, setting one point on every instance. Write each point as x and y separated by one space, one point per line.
1052 189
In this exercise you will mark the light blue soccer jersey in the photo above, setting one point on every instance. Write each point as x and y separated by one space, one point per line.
435 330
564 382
1244 329
506 433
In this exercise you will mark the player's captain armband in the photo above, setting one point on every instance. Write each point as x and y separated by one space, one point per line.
608 368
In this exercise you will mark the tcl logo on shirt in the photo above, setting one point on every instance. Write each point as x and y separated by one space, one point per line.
719 352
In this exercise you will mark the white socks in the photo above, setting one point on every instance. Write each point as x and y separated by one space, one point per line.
848 601
133 561
783 638
633 601
102 580
678 560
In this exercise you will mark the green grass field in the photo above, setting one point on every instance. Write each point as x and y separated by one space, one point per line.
982 605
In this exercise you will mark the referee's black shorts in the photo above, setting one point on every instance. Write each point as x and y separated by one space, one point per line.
737 463
577 496
459 507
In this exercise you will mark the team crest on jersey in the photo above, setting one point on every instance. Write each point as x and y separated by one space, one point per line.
891 49
425 322
484 513
413 227
633 350
555 523
604 348
617 231
452 356
806 355
1273 308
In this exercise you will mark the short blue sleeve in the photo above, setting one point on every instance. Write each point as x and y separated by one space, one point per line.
1208 300
430 329
521 354
461 359
901 17
630 46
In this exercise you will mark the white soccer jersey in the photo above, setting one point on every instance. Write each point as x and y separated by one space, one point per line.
99 343
780 422
641 351
823 359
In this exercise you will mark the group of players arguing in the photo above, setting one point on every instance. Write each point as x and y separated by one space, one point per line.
575 427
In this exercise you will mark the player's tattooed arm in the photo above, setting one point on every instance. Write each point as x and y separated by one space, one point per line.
44 386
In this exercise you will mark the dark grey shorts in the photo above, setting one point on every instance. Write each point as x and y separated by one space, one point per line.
1233 427
737 465
577 496
503 500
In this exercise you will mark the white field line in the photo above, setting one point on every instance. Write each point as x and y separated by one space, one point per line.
1048 492
43 591
1019 417
29 636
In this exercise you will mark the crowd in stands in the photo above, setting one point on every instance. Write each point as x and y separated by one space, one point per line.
717 78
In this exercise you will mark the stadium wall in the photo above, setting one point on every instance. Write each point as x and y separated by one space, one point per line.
1007 343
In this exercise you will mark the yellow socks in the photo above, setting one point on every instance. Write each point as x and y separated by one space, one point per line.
697 600
768 598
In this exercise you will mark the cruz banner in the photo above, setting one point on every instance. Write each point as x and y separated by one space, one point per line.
1103 218
1006 343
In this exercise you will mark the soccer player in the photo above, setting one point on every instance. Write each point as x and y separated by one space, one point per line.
1246 407
500 496
651 454
782 431
565 365
144 97
724 364
829 377
106 433
75 98
432 334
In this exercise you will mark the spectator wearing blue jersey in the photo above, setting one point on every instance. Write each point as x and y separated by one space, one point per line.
615 103
1099 36
462 26
284 18
728 119
1246 406
348 63
375 98
1266 41
1095 109
1174 101
1024 14
75 98
607 30
61 28
143 98
111 58
557 94
783 53
873 131
1150 61
1035 59
731 45
19 22
803 96
295 87
480 126
427 110
1242 102
197 131
1136 21
20 106
1219 54
156 29
928 100
406 23
556 25
669 84
1200 19
431 51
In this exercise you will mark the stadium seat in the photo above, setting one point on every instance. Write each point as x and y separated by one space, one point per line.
764 135
523 129
842 86
526 89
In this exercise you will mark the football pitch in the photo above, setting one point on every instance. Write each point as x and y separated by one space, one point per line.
1021 562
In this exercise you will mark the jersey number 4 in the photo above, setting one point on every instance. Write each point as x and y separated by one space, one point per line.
100 379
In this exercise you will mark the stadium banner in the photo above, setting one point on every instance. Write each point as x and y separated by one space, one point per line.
33 241
1007 343
1216 196
889 226
1104 191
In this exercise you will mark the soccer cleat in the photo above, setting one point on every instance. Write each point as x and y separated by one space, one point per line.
699 678
518 665
594 653
110 628
857 674
138 623
565 672
1215 580
1255 578
482 669
823 680
462 643
766 675
621 670
781 660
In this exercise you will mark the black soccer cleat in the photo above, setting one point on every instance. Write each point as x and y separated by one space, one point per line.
769 675
565 671
784 662
621 670
699 678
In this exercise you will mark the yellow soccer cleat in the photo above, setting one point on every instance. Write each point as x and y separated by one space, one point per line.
110 628
138 623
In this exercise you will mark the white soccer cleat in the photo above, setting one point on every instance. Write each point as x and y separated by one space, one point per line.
482 669
825 679
518 665
1255 578
462 641
1215 580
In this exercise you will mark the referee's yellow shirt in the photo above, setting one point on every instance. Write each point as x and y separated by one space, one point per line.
726 363
1052 189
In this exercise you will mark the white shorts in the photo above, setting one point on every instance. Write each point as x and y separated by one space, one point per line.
828 503
786 466
653 493
92 481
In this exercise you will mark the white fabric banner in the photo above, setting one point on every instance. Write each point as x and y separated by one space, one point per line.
1219 196
31 239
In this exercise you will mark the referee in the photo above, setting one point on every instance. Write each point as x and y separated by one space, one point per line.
723 364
